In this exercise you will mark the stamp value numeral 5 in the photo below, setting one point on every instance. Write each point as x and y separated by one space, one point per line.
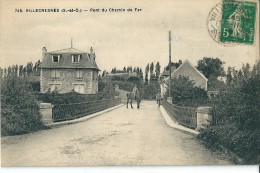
225 32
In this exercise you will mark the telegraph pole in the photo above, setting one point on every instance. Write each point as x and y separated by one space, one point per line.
169 99
71 42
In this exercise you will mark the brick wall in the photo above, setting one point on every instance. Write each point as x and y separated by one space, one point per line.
68 78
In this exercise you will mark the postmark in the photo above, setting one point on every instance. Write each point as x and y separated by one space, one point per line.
214 24
238 22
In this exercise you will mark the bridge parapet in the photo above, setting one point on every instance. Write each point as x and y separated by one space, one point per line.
51 113
194 118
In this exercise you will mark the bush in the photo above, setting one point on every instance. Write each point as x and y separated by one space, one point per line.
20 111
184 93
239 130
67 98
108 92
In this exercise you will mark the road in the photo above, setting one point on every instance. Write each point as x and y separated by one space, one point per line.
119 137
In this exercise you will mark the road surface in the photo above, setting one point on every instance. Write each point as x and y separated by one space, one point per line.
119 137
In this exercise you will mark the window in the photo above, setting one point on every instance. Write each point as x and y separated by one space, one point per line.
79 74
55 58
80 88
55 74
75 58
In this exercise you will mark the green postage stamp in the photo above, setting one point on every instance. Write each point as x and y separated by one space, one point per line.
238 22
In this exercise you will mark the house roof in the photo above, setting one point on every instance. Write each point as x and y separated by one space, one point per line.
67 50
86 60
165 73
183 65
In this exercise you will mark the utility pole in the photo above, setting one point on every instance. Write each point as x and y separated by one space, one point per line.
71 42
169 99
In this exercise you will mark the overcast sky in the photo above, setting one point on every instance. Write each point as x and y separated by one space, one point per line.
119 38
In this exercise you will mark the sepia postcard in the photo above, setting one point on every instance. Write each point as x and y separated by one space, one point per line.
129 83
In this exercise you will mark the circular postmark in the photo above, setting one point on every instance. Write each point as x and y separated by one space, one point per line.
214 24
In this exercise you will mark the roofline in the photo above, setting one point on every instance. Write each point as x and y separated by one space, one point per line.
71 68
187 61
65 49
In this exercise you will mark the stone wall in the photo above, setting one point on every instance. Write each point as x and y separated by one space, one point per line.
68 78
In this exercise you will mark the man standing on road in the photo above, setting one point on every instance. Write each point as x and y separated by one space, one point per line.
134 92
129 99
138 98
158 98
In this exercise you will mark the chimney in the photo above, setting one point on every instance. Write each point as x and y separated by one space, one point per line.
44 50
92 54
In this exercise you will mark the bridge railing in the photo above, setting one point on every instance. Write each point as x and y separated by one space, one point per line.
71 111
183 115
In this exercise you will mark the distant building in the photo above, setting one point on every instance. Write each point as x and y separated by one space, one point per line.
185 69
69 70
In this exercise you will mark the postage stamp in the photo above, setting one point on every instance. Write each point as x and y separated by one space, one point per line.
238 22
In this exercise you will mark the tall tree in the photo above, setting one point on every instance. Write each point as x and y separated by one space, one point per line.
151 69
157 70
211 67
20 70
9 71
5 72
246 70
29 68
146 73
229 76
141 75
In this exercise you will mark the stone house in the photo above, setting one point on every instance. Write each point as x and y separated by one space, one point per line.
188 70
69 70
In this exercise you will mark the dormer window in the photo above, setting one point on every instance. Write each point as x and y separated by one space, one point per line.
75 58
55 58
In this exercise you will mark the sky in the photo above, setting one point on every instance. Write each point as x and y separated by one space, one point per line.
118 38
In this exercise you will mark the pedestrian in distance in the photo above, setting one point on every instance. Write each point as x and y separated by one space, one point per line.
158 99
129 99
134 92
138 98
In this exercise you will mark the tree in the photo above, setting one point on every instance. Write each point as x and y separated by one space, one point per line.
146 73
151 70
246 70
185 93
150 90
211 67
5 72
229 76
141 75
157 70
36 68
124 69
19 108
29 68
20 70
104 73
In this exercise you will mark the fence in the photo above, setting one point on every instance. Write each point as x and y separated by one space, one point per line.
184 115
71 111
